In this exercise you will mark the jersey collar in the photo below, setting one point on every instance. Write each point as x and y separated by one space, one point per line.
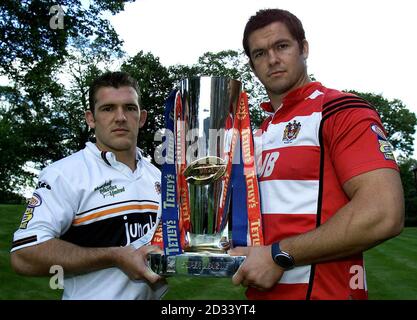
293 97
110 159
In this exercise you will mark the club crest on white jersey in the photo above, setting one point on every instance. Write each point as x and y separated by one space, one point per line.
291 131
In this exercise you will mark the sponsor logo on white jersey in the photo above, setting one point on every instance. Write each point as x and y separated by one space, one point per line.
136 230
107 189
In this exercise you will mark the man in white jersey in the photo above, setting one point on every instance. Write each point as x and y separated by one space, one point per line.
94 212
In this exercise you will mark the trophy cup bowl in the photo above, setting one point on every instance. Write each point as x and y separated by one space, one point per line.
208 108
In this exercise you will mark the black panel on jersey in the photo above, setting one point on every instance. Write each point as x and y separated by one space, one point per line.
110 232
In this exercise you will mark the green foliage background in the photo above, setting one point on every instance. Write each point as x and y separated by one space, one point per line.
49 72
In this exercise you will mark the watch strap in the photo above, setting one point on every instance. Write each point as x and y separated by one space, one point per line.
281 258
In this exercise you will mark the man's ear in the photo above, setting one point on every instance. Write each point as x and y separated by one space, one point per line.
89 118
305 49
143 116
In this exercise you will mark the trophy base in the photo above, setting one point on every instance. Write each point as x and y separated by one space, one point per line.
195 264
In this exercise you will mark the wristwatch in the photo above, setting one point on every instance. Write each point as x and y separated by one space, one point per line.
281 258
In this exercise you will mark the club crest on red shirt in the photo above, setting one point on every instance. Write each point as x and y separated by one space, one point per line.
291 131
384 145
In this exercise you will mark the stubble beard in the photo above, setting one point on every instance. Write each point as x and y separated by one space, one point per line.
281 89
115 145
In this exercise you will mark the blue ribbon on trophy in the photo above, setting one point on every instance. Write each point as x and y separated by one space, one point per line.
170 218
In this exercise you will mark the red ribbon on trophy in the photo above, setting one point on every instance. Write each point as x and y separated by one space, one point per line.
184 199
241 132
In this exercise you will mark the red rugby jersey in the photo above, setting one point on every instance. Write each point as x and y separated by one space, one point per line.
318 140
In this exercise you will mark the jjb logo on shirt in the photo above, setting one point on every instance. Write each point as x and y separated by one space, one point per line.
268 164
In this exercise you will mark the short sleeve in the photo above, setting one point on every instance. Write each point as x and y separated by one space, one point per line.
357 143
49 213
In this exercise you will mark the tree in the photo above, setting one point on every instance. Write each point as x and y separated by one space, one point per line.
23 138
29 34
410 189
39 119
11 150
235 65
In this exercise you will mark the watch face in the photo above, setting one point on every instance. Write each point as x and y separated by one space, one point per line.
284 261
282 258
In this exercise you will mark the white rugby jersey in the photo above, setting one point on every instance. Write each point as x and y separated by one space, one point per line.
92 200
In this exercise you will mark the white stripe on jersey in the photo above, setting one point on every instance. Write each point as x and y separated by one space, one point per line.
308 135
283 196
296 275
114 210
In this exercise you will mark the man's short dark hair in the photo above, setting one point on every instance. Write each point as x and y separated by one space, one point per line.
267 16
111 79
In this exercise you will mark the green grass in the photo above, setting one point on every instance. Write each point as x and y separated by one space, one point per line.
13 286
391 270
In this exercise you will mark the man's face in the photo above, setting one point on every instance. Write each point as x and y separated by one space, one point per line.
117 118
276 58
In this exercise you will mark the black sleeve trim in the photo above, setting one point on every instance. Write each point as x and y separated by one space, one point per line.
24 241
333 105
343 99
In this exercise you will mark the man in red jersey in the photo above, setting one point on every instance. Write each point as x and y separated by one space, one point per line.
330 187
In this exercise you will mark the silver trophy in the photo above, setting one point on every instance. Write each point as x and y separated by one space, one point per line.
204 134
